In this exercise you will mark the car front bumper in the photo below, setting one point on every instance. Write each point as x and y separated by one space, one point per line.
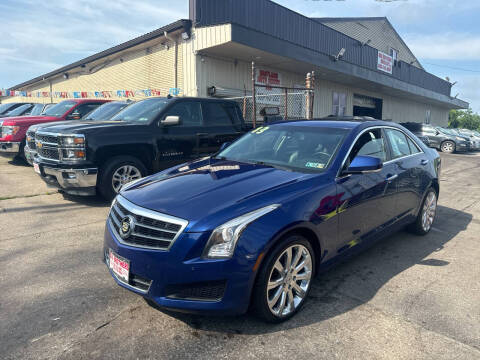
9 149
29 154
461 146
170 276
82 181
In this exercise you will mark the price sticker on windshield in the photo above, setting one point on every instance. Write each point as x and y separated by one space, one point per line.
260 130
314 165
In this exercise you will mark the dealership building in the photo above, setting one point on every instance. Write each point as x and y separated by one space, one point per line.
361 65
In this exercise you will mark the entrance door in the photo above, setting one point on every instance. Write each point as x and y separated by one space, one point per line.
367 106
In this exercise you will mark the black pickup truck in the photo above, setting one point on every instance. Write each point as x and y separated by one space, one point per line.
146 137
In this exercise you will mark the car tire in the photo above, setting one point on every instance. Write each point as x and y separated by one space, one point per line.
426 215
124 169
448 147
267 303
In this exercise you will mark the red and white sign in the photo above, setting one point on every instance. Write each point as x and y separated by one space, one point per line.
266 77
119 266
385 62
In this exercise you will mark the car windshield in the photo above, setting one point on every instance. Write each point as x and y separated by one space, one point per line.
143 111
446 131
37 109
60 109
290 147
19 110
4 107
106 111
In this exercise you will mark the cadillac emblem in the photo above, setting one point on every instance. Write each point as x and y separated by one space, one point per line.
126 227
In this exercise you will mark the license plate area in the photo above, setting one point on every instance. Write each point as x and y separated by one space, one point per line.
119 266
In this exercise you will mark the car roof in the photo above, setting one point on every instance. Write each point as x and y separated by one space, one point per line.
327 123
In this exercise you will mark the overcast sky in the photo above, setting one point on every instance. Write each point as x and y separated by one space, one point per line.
40 36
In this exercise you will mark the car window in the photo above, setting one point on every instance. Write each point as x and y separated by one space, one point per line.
190 112
85 108
428 130
414 149
20 110
398 143
60 109
370 143
214 114
37 109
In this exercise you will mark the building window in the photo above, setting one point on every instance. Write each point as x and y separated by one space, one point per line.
339 104
394 54
428 117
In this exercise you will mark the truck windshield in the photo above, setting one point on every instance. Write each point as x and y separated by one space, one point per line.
60 109
4 107
106 111
143 111
19 110
304 149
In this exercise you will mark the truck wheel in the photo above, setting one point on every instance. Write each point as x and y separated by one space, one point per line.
117 172
448 147
284 280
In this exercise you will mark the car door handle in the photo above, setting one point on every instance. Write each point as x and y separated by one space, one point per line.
424 162
390 178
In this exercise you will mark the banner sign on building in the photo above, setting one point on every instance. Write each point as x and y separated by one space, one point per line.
385 62
267 95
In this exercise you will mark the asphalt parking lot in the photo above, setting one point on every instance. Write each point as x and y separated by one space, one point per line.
407 297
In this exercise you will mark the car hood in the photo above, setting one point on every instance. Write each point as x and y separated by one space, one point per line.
211 191
28 120
80 126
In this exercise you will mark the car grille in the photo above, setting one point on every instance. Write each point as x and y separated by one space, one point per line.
203 291
31 144
148 229
48 153
49 146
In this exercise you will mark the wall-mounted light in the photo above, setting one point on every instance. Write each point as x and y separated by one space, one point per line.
185 36
65 76
340 54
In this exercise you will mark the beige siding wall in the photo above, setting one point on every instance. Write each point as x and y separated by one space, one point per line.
146 68
381 34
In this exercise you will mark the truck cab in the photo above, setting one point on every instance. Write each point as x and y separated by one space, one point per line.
87 157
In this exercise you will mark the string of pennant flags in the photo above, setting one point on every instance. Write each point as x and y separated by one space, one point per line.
93 94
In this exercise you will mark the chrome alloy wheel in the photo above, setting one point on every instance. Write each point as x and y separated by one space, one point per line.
429 210
448 147
289 280
123 175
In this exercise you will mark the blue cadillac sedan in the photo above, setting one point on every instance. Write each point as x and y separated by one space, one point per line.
251 226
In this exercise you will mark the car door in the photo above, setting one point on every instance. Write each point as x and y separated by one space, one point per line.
220 124
433 135
180 143
367 200
410 162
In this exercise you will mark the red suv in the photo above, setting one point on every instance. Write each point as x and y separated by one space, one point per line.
13 129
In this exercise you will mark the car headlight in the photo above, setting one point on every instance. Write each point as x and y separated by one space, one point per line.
73 140
222 242
10 130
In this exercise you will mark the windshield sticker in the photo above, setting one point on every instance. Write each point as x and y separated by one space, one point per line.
315 165
260 130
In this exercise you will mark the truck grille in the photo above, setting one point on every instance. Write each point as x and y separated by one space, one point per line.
31 144
141 227
47 146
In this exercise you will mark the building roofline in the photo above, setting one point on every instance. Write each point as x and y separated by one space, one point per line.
179 24
380 18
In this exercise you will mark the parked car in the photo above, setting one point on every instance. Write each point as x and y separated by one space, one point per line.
39 109
5 108
146 137
439 138
13 130
254 223
21 110
474 137
103 112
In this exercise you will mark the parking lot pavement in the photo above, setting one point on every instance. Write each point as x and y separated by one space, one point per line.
406 297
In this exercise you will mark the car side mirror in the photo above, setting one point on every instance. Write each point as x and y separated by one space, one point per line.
74 116
224 146
364 164
170 121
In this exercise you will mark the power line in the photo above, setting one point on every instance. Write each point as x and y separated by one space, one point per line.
453 67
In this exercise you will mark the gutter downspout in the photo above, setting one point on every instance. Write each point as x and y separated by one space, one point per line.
176 57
